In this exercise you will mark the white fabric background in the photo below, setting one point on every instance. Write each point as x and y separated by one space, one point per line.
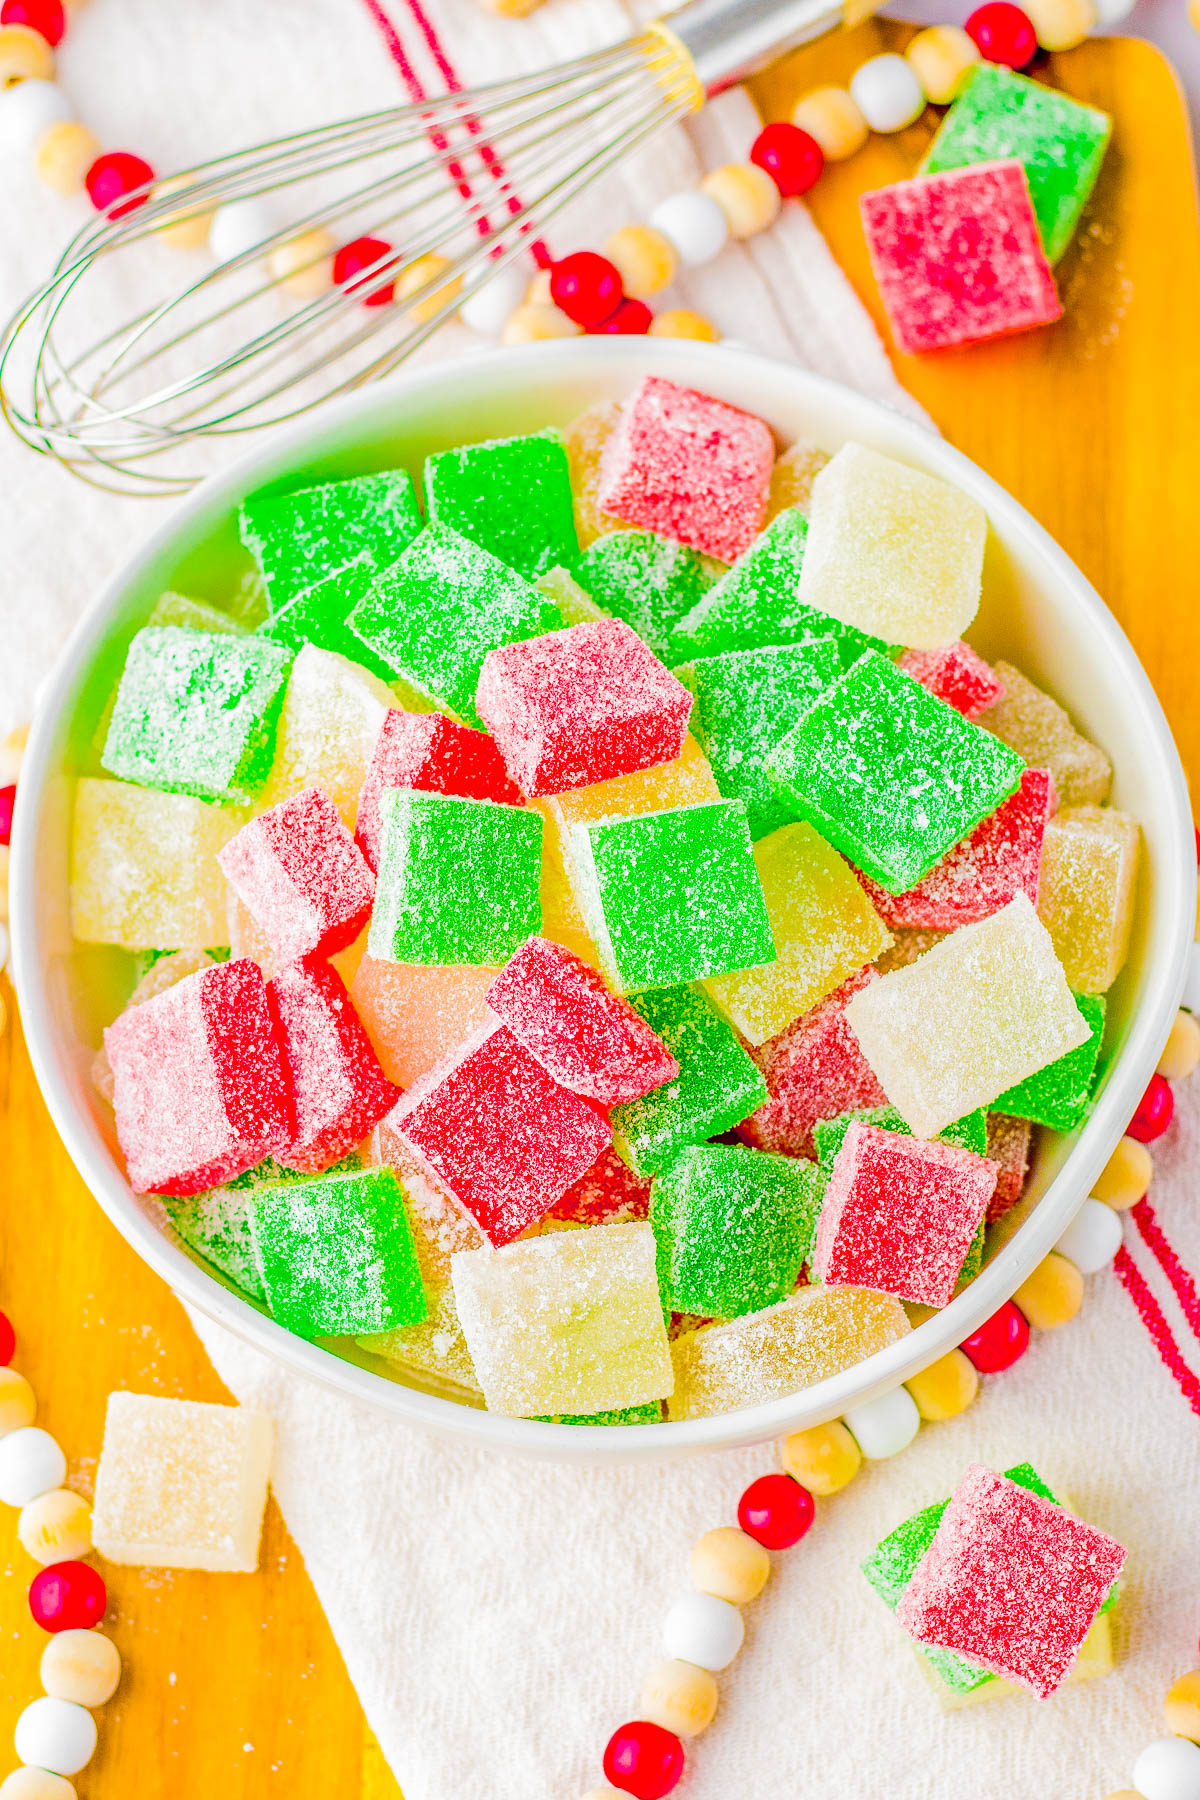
495 1615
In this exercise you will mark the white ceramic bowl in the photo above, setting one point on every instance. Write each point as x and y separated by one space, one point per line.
1039 611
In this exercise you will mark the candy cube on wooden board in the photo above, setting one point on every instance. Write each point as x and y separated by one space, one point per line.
144 871
510 495
431 752
300 873
298 539
814 1069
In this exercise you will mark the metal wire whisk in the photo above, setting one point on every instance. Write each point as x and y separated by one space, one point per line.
118 386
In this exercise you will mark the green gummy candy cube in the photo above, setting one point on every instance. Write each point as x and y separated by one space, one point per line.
1058 1095
512 496
216 1225
648 1412
648 581
318 616
969 1133
746 700
337 1255
1060 142
434 615
672 896
195 712
717 1087
732 1225
458 883
298 539
890 775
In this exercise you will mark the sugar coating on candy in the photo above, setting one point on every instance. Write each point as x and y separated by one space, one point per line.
956 674
717 1084
318 616
501 1134
889 775
163 973
745 701
511 495
1007 1147
1059 142
814 1069
672 896
609 1193
1039 730
584 440
580 706
1089 879
958 257
732 1228
301 875
195 615
689 466
300 538
562 917
1058 1096
569 1323
576 606
892 551
435 1351
586 1038
793 476
195 713
216 1225
1002 1007
338 1091
181 1484
648 581
437 611
435 754
458 880
144 871
1011 1581
899 1214
198 1083
829 1135
768 1355
824 927
1001 858
332 714
415 1013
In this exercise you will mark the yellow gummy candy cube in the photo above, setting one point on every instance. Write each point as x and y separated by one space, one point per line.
435 1350
331 715
414 1015
1085 895
144 871
1037 728
792 479
585 438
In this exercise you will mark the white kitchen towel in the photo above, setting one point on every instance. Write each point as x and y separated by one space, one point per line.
495 1615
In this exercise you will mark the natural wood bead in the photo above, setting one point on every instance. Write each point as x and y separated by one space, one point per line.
12 753
190 233
304 265
538 291
56 1527
1182 1707
81 1666
35 1784
1125 1176
64 154
822 1459
1181 1053
18 1404
682 322
24 56
746 195
792 478
942 58
728 1563
1060 24
531 323
946 1388
4 858
1052 1294
680 1697
604 1792
1194 13
417 279
645 259
830 115
511 9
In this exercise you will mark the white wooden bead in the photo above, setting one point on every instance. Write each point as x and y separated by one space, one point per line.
1168 1769
35 1784
886 1425
1092 1238
26 111
703 1630
31 1463
694 225
1111 12
1191 981
489 309
55 1735
239 226
83 1666
887 93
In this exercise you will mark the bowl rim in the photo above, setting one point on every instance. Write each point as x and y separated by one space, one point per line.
809 1406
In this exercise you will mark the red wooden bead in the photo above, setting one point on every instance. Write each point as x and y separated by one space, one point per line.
8 799
112 176
791 157
8 1340
1002 33
68 1596
644 1760
356 257
632 318
1000 1340
43 16
1196 829
587 287
1156 1109
776 1511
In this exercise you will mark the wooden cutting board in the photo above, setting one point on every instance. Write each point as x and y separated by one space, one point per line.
233 1684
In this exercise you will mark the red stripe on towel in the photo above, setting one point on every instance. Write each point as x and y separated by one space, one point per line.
1151 1315
1164 1253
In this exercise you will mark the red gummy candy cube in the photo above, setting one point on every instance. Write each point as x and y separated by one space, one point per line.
958 256
814 1070
1001 859
339 1092
957 675
1010 1581
609 1193
299 872
688 467
899 1215
579 706
590 1041
437 755
494 1128
198 1081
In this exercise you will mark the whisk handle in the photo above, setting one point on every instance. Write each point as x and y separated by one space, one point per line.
728 39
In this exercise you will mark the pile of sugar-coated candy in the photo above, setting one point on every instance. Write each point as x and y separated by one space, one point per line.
604 940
